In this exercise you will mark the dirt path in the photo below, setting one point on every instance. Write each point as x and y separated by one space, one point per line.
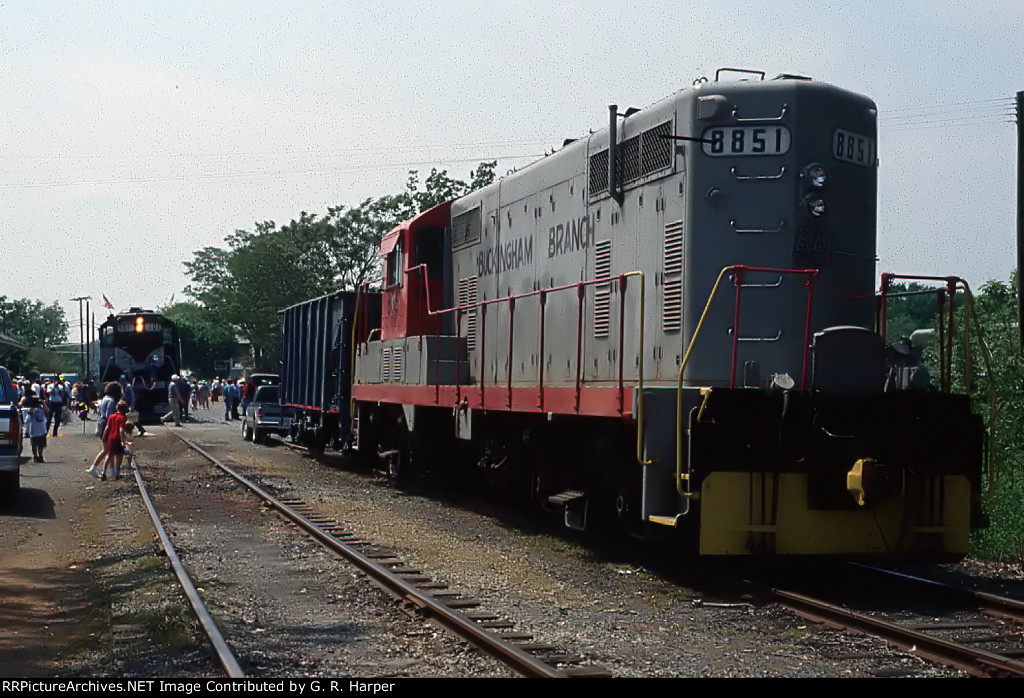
73 552
44 588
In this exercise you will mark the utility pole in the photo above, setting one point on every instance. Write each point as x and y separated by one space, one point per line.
1020 218
81 332
88 337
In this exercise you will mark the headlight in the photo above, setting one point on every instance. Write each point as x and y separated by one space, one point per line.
815 176
815 205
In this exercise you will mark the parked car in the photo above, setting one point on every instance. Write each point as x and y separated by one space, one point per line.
10 440
265 415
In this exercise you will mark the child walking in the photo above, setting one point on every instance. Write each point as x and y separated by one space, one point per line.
115 437
35 424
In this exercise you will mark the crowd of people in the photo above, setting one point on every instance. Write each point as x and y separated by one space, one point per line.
183 396
49 402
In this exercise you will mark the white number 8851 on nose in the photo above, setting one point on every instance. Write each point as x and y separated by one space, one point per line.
746 140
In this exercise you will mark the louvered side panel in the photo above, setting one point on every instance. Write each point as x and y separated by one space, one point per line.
385 365
397 372
468 296
602 292
672 285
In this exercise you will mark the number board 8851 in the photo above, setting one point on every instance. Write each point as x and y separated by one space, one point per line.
746 140
853 147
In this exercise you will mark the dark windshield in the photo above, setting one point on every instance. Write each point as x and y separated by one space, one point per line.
267 393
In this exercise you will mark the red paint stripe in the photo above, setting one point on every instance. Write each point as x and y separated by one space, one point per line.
593 402
310 407
304 407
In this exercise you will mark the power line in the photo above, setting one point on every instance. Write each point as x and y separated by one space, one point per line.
954 105
915 127
910 118
287 153
946 117
274 173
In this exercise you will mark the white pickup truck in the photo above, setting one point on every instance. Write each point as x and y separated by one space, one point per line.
266 415
10 441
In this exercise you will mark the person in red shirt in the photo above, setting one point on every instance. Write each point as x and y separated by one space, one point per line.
115 437
248 393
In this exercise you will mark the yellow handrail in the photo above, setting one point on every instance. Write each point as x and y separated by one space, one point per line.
993 407
640 365
679 383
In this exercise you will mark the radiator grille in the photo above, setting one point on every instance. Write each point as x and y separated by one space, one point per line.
635 158
598 179
628 162
672 286
656 151
468 296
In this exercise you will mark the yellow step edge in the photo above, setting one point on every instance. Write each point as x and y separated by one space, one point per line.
669 521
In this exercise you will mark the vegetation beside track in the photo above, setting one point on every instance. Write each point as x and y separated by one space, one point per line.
1002 539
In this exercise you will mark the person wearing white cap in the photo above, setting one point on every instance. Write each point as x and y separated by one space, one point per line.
174 398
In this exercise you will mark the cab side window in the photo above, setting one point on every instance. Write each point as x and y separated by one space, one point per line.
393 267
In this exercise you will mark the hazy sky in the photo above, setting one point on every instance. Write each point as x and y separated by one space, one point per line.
134 133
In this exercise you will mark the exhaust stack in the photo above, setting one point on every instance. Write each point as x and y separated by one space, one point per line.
613 147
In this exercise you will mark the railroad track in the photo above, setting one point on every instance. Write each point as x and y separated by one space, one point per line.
997 606
989 644
223 652
418 593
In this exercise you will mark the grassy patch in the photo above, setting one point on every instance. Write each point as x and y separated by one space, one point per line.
1003 538
170 628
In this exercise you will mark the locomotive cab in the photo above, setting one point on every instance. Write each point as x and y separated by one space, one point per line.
414 272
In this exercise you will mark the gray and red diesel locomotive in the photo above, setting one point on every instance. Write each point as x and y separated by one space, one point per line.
670 322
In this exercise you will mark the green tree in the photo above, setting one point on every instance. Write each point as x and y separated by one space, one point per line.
204 337
910 306
264 270
33 322
999 398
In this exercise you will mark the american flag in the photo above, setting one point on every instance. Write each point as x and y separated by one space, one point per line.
107 304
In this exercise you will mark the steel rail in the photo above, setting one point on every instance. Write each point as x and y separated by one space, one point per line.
1010 609
520 661
224 654
974 661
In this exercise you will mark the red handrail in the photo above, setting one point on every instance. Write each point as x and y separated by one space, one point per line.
511 300
944 296
737 279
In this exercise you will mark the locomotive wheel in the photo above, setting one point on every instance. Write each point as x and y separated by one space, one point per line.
317 441
399 464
